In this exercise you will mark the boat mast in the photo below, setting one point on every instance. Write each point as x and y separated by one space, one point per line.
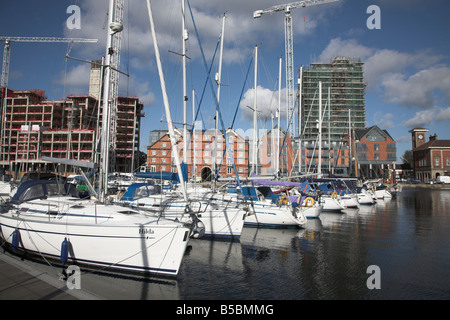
106 115
185 37
255 129
218 79
166 103
279 117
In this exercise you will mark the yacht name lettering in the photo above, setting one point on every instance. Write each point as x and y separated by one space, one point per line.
146 231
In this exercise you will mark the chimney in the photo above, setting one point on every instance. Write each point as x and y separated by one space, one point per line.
433 137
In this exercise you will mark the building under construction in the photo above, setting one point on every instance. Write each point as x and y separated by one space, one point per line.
34 127
343 100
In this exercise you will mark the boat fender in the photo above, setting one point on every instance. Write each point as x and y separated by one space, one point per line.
334 195
309 202
15 239
283 200
64 250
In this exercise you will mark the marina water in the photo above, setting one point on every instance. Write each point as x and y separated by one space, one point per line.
407 238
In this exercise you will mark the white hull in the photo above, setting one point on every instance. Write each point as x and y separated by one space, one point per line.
265 214
350 201
105 236
331 204
383 194
218 220
366 197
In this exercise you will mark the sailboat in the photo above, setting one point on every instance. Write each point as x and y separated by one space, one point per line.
46 218
212 218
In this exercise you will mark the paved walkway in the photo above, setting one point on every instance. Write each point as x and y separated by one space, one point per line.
19 281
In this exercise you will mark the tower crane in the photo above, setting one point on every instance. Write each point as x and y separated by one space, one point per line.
289 48
7 50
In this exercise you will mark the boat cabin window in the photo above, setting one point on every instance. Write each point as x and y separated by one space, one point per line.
33 192
55 189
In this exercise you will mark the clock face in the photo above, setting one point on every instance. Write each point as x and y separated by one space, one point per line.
420 136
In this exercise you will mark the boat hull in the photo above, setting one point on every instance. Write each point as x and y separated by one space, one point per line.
140 245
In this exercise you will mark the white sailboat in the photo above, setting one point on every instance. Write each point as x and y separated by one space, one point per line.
46 219
217 219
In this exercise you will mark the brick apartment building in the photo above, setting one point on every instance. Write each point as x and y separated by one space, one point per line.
200 163
33 127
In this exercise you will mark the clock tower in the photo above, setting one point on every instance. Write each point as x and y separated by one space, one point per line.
418 137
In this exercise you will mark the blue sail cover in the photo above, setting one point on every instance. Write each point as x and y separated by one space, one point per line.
161 175
164 175
304 186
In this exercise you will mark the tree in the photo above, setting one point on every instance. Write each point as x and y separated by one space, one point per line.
407 157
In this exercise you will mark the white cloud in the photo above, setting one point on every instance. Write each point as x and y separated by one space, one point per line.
384 120
76 79
347 48
419 89
407 79
421 119
266 103
443 115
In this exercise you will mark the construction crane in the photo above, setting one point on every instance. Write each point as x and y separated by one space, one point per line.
289 48
7 50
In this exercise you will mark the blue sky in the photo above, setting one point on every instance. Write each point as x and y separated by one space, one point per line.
407 61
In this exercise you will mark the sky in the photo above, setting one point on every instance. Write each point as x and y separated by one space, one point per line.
406 60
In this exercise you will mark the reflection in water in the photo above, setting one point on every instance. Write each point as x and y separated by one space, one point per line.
407 237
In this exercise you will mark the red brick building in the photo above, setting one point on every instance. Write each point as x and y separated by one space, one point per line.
200 164
375 153
430 158
33 127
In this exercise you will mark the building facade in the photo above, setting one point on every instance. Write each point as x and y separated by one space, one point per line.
376 153
33 127
431 158
343 85
201 154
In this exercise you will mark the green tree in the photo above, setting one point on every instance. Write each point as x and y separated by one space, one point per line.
407 157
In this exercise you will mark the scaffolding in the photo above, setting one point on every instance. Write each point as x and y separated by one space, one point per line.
344 77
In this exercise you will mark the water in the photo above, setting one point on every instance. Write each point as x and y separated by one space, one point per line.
408 238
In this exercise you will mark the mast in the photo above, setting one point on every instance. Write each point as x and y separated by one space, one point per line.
319 168
166 103
255 130
279 116
106 115
185 37
218 81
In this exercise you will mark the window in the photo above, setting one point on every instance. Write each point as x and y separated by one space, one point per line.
376 147
153 160
163 168
447 161
164 145
163 160
164 153
229 170
153 169
437 161
153 153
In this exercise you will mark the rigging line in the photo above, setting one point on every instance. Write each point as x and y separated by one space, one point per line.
237 107
214 94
